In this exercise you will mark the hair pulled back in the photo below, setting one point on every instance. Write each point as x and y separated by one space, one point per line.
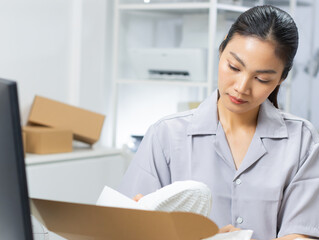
271 24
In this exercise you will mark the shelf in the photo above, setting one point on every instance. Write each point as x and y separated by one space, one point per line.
299 3
164 6
181 7
163 82
78 153
232 8
199 5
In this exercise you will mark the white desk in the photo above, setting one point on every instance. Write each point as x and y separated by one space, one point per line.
78 176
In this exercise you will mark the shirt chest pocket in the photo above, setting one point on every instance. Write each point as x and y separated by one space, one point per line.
257 206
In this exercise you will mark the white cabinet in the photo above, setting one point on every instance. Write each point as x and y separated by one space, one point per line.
166 53
75 177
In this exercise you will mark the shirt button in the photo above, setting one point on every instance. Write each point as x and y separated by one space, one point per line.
238 181
239 220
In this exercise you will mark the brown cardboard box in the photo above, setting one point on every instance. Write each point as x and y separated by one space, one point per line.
87 222
86 125
44 140
192 105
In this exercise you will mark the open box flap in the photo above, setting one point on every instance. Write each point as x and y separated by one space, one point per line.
81 221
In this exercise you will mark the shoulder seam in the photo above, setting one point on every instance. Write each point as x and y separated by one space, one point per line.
305 123
175 116
313 131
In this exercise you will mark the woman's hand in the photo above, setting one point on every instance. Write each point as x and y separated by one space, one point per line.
138 197
228 228
292 236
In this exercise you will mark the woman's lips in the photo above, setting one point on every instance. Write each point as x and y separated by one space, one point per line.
236 100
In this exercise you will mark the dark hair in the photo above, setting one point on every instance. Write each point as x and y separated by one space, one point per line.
268 23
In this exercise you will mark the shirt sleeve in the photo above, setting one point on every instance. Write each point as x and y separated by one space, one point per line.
300 203
149 169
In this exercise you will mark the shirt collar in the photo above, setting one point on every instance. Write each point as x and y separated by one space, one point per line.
271 123
205 119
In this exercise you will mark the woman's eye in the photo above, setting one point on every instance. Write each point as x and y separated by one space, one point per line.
233 68
262 81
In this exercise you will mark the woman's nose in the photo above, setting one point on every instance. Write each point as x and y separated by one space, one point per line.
242 85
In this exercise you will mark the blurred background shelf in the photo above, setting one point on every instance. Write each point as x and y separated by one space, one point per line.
164 6
232 8
178 36
163 82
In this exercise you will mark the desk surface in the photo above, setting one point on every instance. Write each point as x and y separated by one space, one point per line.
76 154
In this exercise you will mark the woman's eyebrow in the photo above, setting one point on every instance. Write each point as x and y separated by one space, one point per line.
270 71
266 71
237 58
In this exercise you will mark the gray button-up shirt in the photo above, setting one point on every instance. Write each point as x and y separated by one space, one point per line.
274 192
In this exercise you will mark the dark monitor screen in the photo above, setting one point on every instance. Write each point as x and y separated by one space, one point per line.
15 221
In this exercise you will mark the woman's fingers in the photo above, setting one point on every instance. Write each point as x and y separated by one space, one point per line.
228 228
234 229
137 197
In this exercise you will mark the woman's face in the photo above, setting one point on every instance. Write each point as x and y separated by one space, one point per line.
249 71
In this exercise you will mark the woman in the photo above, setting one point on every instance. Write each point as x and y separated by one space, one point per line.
261 164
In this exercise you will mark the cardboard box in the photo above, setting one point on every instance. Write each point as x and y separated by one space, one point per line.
87 222
192 105
44 140
85 125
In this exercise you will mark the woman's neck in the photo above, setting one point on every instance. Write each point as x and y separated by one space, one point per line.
233 121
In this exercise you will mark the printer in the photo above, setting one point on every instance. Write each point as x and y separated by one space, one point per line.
189 64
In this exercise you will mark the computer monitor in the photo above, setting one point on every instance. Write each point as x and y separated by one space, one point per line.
15 220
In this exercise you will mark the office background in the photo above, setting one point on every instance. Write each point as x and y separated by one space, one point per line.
63 50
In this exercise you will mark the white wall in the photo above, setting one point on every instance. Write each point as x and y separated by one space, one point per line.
96 63
315 86
301 105
58 49
34 47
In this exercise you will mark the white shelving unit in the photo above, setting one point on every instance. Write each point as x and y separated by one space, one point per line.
214 10
164 6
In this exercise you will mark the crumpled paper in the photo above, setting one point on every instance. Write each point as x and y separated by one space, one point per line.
236 235
182 196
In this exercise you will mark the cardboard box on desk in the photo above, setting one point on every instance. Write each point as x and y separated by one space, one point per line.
45 140
87 222
85 125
